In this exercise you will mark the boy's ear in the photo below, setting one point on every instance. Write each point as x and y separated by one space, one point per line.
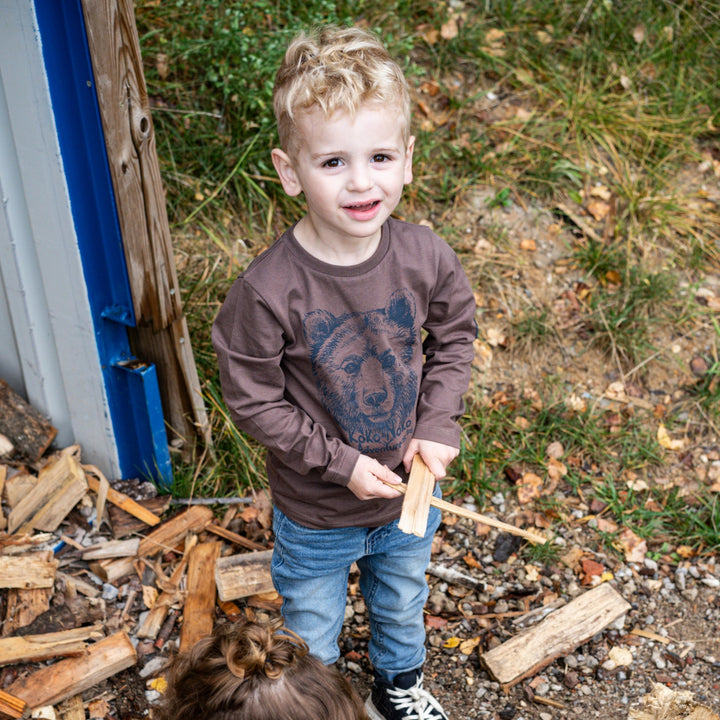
408 160
286 172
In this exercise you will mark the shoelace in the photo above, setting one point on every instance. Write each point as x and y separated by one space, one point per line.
417 699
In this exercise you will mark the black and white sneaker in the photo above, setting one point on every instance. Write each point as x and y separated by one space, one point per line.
404 699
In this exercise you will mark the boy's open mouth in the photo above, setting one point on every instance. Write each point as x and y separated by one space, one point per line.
363 207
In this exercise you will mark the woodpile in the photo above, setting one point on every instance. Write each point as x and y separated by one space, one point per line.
94 581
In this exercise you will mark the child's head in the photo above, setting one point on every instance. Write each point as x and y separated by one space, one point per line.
256 671
337 69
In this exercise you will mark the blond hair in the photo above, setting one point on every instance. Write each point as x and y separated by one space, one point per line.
255 671
337 69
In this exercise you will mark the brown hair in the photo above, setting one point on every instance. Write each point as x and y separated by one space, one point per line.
337 69
255 671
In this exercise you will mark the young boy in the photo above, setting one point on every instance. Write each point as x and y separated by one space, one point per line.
320 344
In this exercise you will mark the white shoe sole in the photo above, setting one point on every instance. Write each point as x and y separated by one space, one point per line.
372 712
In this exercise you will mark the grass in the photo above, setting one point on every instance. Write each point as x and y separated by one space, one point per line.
602 106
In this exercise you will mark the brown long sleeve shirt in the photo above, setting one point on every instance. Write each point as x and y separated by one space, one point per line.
321 362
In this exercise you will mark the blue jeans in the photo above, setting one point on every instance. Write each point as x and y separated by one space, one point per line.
310 570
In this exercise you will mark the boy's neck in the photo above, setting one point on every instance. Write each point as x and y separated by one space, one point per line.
341 251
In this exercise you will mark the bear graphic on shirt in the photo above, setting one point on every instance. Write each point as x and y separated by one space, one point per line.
361 362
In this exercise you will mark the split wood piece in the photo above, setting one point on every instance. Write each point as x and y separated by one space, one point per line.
112 549
11 706
234 537
477 517
23 606
18 486
125 502
113 570
558 634
3 476
74 584
66 678
416 503
27 571
239 576
156 617
6 446
199 611
29 431
29 648
663 703
61 485
72 708
166 536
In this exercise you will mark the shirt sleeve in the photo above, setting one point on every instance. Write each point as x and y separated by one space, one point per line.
448 347
248 341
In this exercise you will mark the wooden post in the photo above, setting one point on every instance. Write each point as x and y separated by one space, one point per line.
161 336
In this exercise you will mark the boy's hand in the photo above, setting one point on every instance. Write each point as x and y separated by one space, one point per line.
366 481
435 455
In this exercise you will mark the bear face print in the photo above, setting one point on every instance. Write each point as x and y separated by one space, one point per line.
362 365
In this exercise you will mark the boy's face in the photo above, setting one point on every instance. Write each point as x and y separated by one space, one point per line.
351 170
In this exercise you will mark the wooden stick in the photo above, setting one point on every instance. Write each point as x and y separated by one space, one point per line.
12 706
124 502
172 531
234 537
199 611
470 514
27 648
416 504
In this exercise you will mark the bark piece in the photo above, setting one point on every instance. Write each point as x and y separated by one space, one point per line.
416 503
72 708
124 524
61 485
171 532
27 571
663 703
64 679
29 648
12 706
243 575
28 429
557 635
199 611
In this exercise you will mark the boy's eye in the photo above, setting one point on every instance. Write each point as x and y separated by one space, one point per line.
381 157
332 163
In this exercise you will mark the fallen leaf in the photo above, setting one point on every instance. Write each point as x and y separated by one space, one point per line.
452 642
467 646
591 569
664 439
638 33
621 657
471 561
495 336
528 244
450 29
544 37
494 36
599 209
531 573
149 595
555 450
635 548
528 488
434 622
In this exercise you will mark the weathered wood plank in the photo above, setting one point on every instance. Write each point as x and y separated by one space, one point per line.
60 486
243 575
172 531
66 678
112 549
199 610
29 648
161 336
557 635
28 430
27 571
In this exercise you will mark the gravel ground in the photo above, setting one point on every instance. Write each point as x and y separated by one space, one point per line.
679 604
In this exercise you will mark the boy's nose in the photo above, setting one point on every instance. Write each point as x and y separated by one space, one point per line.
360 179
